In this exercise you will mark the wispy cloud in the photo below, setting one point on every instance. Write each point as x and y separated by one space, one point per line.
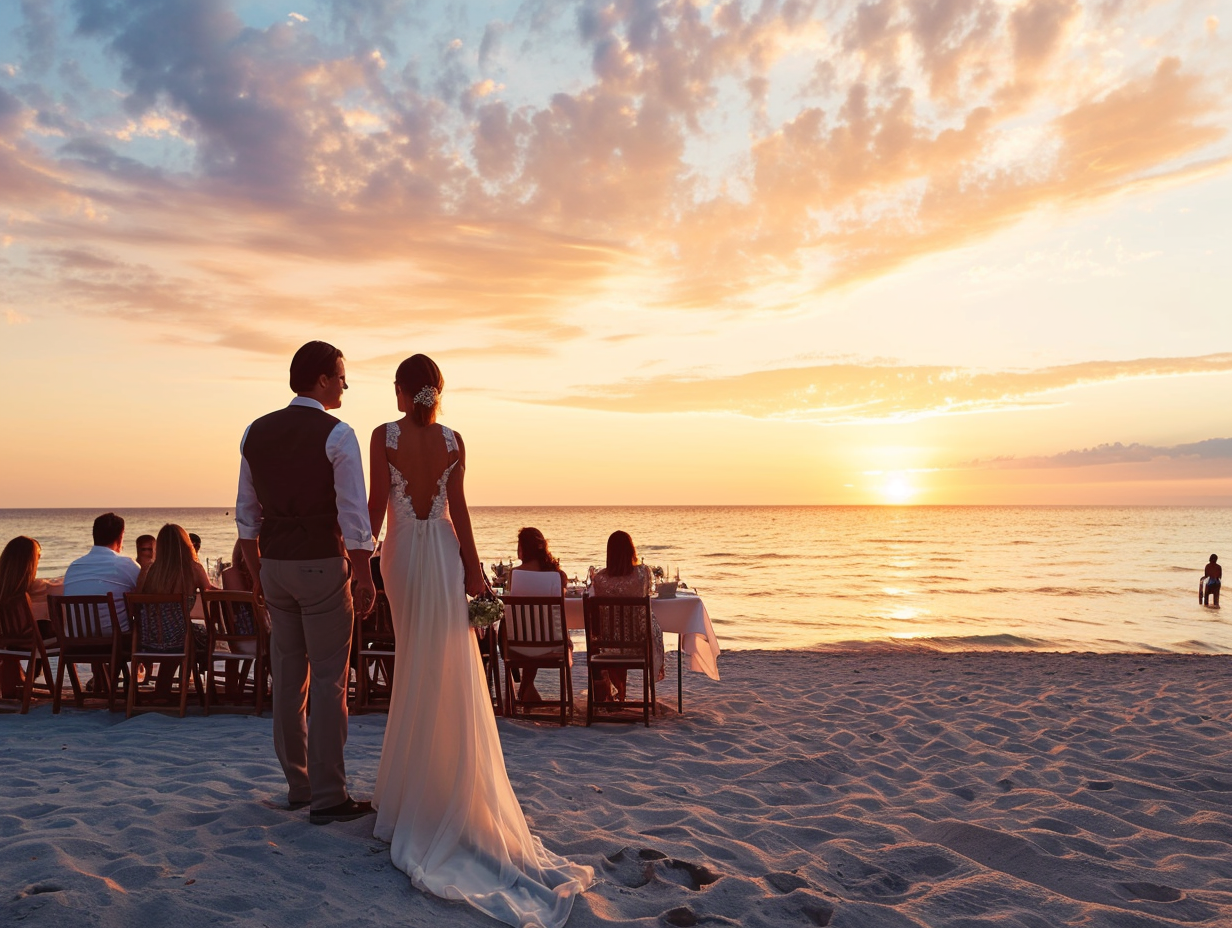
1212 449
837 393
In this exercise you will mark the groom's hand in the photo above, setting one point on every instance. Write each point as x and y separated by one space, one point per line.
364 594
363 591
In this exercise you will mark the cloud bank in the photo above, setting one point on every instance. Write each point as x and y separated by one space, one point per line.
503 170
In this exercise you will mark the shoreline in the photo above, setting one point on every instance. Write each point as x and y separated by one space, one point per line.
876 788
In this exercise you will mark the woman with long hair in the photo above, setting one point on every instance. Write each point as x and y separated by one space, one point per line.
176 571
18 567
175 568
237 576
534 557
18 577
625 575
443 798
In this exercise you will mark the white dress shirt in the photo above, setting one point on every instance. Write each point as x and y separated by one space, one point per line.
342 449
100 572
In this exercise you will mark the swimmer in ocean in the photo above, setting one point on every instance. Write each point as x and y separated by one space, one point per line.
1212 580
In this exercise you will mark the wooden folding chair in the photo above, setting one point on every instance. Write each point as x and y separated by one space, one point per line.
488 648
21 641
374 657
619 636
238 637
162 633
78 623
534 634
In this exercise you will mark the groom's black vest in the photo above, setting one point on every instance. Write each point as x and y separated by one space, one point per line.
294 481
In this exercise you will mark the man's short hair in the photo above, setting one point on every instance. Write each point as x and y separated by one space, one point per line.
196 541
145 540
107 529
310 362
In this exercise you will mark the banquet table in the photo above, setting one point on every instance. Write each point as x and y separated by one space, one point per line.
686 617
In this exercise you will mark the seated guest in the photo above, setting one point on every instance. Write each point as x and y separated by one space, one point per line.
533 577
18 566
624 576
237 577
176 571
145 551
195 539
104 569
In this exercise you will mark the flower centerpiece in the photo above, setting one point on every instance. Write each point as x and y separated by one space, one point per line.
484 611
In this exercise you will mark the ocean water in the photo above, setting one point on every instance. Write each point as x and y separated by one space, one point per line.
953 578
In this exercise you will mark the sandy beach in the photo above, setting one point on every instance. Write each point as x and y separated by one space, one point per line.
807 788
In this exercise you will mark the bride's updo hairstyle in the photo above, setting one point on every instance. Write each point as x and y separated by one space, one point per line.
420 380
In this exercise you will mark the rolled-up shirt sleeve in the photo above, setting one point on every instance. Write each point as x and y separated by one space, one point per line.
247 506
343 452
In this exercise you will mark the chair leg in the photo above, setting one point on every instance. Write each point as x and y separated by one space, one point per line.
130 701
184 671
28 684
75 680
590 692
211 681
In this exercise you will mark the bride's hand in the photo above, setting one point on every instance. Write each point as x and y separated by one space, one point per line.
474 582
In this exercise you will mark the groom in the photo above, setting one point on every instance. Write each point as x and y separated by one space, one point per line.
304 530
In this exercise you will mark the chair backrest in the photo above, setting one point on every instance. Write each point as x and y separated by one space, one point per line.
378 626
160 621
534 583
535 620
617 623
231 613
17 622
79 620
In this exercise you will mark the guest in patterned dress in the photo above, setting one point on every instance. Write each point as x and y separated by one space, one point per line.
176 570
625 576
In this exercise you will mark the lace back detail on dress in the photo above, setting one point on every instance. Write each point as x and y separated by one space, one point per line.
399 497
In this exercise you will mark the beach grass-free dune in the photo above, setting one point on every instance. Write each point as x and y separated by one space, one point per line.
871 788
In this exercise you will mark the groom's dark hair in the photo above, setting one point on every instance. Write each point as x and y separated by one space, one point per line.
310 362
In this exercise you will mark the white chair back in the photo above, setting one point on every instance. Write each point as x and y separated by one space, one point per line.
534 583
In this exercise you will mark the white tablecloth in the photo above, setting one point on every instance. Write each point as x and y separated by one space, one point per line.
685 616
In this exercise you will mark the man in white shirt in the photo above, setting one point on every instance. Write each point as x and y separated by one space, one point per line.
104 569
302 514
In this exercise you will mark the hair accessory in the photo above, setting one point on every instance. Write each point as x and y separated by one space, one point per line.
427 396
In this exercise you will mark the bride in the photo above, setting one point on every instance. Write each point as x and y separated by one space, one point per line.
443 798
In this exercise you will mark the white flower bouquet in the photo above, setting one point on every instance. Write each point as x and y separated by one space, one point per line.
485 610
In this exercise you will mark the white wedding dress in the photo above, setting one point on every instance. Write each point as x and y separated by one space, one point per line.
443 798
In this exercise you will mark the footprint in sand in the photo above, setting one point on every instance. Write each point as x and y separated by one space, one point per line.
37 890
785 882
1152 892
681 917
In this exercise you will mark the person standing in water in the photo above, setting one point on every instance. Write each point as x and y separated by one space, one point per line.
1212 580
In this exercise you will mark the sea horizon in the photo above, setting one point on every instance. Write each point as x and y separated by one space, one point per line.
1102 578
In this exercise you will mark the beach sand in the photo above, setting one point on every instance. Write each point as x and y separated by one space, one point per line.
807 788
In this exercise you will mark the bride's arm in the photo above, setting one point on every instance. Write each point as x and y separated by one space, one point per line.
461 517
378 480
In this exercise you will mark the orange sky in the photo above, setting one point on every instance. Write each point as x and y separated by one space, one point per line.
961 251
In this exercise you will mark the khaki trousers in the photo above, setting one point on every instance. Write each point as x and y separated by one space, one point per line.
311 622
